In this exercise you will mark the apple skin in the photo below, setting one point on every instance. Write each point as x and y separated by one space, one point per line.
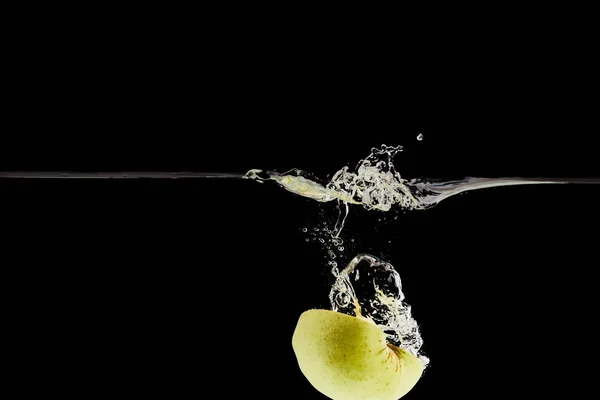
348 358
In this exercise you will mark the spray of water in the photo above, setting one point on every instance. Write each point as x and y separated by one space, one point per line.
374 184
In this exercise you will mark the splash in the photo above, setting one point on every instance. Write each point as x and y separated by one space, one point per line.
374 184
371 289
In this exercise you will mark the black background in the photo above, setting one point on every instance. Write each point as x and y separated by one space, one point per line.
195 286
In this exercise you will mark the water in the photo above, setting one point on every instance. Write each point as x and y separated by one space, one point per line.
371 289
367 287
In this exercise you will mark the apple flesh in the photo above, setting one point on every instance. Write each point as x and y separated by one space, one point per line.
348 358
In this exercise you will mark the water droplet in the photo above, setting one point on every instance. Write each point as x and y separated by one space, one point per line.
333 263
304 230
341 248
316 229
321 240
420 137
307 239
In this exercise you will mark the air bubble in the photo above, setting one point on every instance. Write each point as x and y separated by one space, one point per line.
342 299
337 241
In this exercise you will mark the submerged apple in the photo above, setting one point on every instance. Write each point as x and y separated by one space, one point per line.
348 358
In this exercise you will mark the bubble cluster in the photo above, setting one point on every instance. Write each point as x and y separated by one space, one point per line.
323 235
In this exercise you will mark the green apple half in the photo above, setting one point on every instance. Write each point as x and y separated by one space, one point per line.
348 358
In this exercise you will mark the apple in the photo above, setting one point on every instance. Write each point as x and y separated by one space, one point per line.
348 358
